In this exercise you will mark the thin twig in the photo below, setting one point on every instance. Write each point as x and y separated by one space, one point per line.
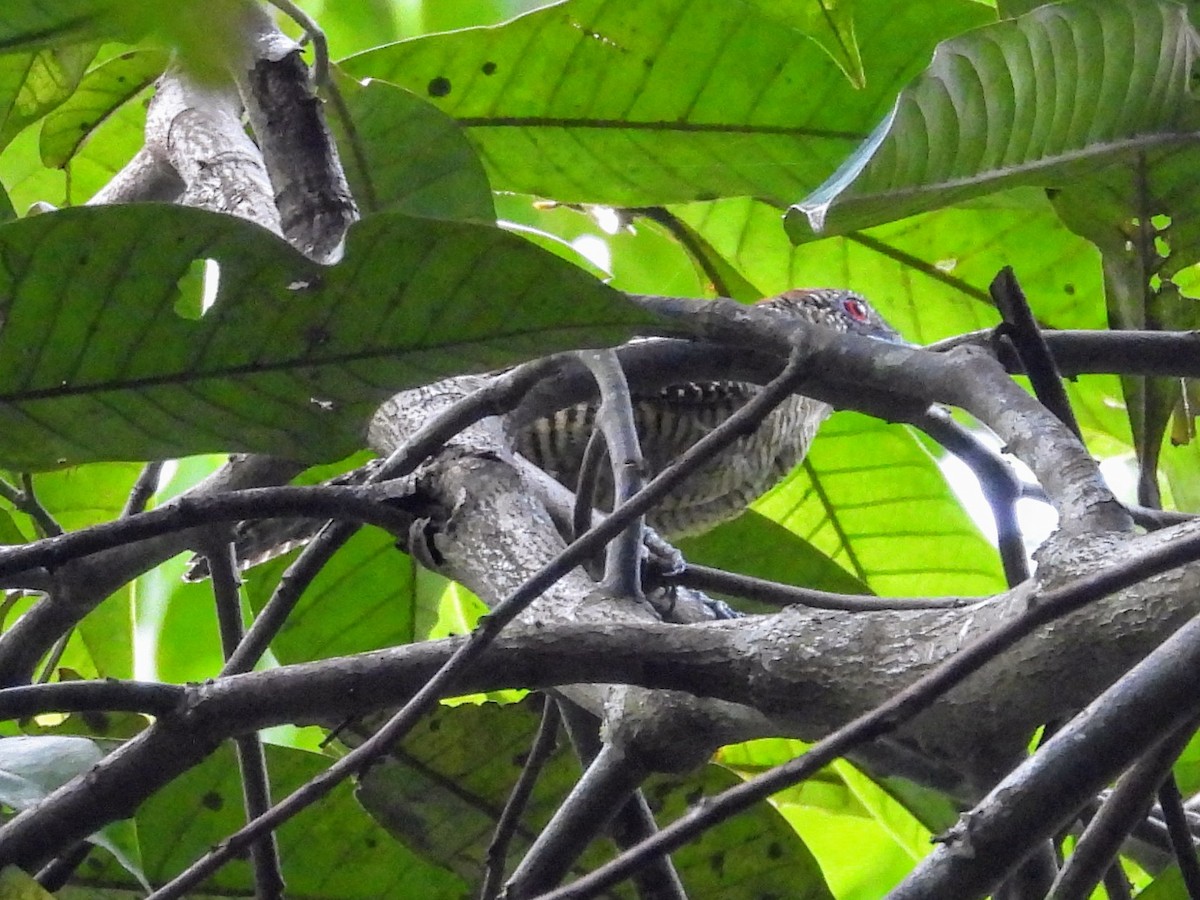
292 584
608 783
708 579
1002 488
1036 358
24 499
143 489
494 397
1180 833
53 657
544 744
1127 805
252 761
56 873
354 503
151 698
615 421
634 822
1116 883
497 395
594 454
688 240
315 34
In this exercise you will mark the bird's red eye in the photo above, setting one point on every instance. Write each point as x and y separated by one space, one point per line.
856 310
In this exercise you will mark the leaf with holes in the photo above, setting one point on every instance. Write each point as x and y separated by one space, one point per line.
666 100
102 355
437 174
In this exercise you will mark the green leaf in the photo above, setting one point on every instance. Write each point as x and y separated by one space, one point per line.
391 593
830 23
351 27
754 545
862 838
204 35
30 23
1045 98
33 84
441 798
292 359
333 852
15 884
33 767
724 279
640 257
871 498
405 154
1168 885
928 274
102 91
665 100
76 498
26 180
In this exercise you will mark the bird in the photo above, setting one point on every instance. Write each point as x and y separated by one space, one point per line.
668 422
672 419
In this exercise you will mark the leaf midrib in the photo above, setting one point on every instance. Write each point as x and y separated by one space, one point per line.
255 368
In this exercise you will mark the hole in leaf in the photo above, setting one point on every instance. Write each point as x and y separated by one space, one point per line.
198 289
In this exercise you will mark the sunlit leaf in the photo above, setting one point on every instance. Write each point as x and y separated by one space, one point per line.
1055 94
405 154
667 100
33 84
98 95
871 498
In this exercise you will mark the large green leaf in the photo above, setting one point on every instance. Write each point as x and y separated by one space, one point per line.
205 35
100 93
754 545
870 497
75 498
331 852
929 274
666 100
26 24
1041 99
405 154
441 796
390 595
32 84
862 837
640 258
100 356
33 767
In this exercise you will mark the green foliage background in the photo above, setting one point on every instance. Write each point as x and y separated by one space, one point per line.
1059 143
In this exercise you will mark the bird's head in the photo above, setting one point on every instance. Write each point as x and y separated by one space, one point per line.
840 310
